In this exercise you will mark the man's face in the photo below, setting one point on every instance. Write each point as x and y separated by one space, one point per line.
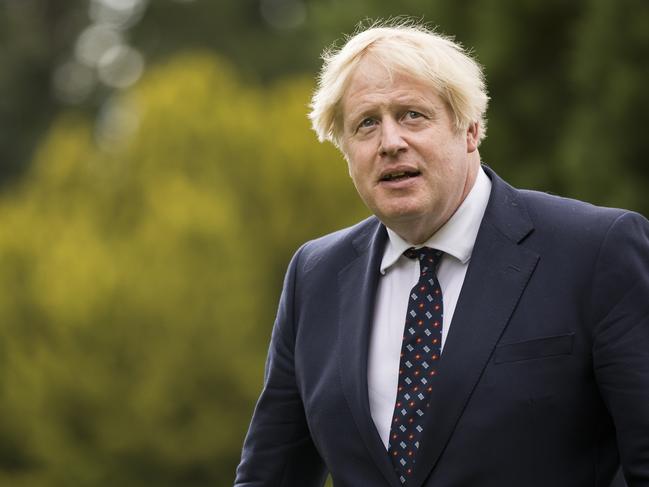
410 165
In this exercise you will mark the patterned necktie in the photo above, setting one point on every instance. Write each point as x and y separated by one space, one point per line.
420 351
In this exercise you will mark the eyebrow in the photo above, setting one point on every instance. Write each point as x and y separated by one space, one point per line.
400 102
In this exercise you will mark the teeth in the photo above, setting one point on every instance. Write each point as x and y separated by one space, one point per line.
397 175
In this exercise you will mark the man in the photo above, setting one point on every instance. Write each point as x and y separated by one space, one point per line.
468 335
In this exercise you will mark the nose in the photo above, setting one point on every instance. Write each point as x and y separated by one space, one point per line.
392 141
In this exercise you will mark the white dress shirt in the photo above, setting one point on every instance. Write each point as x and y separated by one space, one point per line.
399 274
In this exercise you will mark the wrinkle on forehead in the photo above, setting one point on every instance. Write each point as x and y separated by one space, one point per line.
374 86
375 68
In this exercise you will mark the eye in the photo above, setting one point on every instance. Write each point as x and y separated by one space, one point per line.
366 123
413 114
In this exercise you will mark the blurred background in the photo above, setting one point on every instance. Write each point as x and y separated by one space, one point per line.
158 171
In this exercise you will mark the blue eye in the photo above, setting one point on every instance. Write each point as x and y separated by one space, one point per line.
368 122
413 114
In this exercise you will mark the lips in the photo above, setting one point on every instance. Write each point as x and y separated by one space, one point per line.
399 175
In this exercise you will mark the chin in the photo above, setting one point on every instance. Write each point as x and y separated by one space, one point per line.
401 215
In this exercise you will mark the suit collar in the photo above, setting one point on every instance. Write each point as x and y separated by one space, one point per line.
505 210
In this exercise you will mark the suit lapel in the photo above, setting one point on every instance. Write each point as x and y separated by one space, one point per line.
357 284
499 270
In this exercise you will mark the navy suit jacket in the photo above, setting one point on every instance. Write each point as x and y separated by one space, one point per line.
544 379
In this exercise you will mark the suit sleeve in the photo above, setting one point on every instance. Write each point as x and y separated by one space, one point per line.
278 450
620 307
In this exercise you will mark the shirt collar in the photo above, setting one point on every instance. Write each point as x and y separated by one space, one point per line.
457 236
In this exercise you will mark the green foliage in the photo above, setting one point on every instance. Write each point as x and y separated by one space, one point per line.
34 35
139 278
602 155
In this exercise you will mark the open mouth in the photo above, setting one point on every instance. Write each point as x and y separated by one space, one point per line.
400 176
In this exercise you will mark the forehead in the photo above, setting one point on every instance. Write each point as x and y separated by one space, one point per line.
373 83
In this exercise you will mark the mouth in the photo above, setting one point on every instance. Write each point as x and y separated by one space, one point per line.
399 176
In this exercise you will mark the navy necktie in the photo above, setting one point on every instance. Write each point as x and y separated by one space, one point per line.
420 352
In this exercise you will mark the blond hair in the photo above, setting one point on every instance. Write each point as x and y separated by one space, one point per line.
408 48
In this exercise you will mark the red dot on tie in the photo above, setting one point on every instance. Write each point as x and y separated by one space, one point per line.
398 404
416 373
394 453
417 356
434 357
432 372
410 420
430 389
411 436
436 307
434 341
420 322
412 403
421 306
423 288
418 340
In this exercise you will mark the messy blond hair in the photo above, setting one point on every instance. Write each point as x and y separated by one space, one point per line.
409 48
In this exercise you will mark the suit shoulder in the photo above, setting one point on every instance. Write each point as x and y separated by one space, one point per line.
341 244
568 213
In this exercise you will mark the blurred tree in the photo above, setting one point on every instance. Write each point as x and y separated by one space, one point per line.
542 58
34 36
602 153
526 48
140 277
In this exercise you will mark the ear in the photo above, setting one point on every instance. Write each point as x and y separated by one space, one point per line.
472 137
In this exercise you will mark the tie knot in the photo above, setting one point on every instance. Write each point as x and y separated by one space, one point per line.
428 258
